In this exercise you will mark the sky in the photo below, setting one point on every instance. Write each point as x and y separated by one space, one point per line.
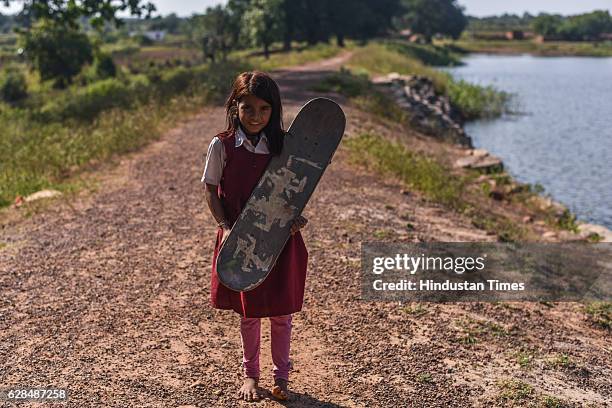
478 8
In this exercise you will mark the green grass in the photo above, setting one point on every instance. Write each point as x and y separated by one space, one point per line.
506 229
379 59
473 101
562 360
418 171
514 391
58 132
428 54
424 378
524 359
428 176
476 101
517 393
600 313
301 54
417 310
552 48
346 83
362 94
80 128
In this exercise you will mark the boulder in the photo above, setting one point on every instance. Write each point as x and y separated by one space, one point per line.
42 194
486 164
586 229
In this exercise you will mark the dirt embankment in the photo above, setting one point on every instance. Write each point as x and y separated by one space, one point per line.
107 296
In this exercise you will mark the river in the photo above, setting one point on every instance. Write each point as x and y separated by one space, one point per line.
563 137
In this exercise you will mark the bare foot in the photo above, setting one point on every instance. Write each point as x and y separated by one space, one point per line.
248 391
280 390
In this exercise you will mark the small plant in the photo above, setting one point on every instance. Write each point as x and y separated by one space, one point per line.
567 221
514 391
469 338
562 360
424 378
105 66
345 83
382 234
13 86
551 402
524 359
600 313
475 101
418 171
594 237
417 310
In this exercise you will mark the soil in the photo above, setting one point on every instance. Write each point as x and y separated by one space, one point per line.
106 294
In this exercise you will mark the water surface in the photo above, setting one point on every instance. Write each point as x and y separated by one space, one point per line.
564 138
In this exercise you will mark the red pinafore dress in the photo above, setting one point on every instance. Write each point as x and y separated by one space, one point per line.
282 292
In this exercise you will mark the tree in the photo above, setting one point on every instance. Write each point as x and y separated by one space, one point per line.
170 23
68 12
55 45
58 52
587 26
263 23
236 9
547 25
212 32
431 17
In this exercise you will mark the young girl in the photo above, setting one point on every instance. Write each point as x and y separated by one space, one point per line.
235 161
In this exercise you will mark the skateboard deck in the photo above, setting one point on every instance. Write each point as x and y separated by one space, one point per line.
260 233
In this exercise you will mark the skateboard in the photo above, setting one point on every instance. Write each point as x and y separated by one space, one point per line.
260 233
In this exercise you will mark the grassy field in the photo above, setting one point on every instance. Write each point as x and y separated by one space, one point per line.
54 133
473 101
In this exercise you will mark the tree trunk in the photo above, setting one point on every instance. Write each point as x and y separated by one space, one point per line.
340 40
287 42
266 51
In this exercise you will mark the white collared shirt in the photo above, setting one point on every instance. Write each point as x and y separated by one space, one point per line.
215 157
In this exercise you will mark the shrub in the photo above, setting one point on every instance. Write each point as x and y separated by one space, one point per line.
57 52
88 101
476 101
105 66
13 87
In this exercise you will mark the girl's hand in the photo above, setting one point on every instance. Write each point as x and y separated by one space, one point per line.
298 224
226 231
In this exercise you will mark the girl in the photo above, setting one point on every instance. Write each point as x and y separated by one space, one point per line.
235 161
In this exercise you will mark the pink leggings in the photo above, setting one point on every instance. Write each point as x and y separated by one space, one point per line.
280 333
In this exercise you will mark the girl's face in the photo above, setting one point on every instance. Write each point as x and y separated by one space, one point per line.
254 113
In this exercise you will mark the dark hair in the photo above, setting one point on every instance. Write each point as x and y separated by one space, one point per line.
262 86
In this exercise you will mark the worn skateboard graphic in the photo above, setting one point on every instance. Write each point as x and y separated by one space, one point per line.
263 227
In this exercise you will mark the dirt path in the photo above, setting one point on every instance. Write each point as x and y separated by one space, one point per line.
108 297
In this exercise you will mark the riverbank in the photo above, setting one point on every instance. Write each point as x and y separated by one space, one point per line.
561 140
458 179
517 47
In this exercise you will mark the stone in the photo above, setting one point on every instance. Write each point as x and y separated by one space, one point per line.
488 164
497 195
479 152
586 229
42 194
